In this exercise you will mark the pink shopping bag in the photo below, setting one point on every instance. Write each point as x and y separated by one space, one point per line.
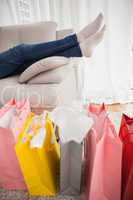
98 115
103 151
22 111
12 114
10 173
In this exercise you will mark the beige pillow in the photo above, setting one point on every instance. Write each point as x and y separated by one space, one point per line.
52 76
27 33
42 66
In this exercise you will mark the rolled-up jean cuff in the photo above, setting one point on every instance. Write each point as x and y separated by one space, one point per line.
79 51
76 51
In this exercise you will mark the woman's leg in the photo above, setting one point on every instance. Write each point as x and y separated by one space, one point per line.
15 58
83 49
71 52
44 50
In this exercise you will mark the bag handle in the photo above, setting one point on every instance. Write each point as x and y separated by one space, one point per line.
34 129
50 139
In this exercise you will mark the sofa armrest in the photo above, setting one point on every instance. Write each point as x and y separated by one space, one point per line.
63 33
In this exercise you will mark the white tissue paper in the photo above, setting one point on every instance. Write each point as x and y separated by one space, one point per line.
73 124
38 140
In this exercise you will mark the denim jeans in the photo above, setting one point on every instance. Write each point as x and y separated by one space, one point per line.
17 59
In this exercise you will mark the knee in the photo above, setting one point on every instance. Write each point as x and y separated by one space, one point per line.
20 46
19 49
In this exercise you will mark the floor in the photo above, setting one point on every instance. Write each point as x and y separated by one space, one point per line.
22 195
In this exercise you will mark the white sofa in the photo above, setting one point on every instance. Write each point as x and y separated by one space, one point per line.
40 95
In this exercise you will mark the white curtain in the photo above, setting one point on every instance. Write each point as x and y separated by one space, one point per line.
15 12
108 75
8 13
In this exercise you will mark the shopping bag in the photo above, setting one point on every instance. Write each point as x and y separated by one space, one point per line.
103 152
22 111
10 174
128 194
73 127
126 135
71 168
39 164
98 114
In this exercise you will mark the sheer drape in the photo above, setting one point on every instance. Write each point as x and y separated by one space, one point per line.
15 12
109 72
108 75
8 12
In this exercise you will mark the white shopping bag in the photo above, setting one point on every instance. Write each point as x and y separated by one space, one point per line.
73 126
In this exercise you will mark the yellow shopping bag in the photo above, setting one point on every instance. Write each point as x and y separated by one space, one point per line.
39 165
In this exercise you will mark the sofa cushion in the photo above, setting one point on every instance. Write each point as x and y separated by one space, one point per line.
27 33
42 66
52 76
39 95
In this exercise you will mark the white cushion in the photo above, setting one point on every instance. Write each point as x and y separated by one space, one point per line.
42 66
51 76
